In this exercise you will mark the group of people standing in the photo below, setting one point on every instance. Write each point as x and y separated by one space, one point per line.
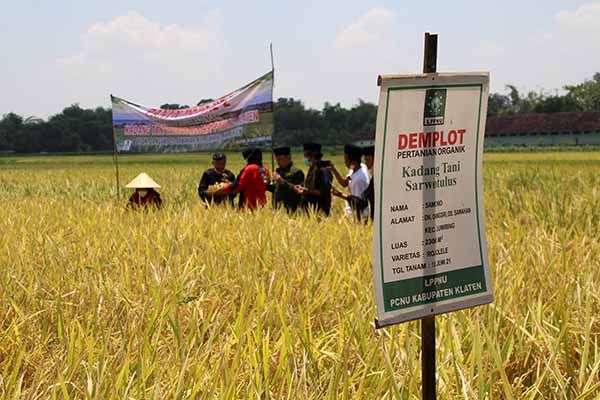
291 189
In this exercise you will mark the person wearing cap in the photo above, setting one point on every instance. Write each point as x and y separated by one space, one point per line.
369 194
357 180
217 175
286 176
145 195
251 182
367 199
316 191
369 154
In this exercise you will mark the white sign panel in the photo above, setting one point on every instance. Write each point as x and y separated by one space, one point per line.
429 243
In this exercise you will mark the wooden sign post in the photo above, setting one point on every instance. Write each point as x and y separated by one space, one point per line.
429 242
428 323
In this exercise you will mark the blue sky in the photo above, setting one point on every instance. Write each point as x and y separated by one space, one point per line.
60 52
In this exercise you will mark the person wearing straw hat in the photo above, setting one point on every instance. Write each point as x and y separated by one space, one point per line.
145 194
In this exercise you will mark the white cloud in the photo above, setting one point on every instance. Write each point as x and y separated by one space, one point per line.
133 56
585 18
151 62
346 67
127 37
567 52
372 27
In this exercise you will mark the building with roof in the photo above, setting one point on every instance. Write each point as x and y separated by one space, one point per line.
554 129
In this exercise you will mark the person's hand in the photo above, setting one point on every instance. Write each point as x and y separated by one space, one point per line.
300 189
278 178
267 176
219 193
336 192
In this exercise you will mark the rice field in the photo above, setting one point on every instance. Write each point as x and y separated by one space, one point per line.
100 303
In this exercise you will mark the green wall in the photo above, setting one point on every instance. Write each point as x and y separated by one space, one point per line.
572 139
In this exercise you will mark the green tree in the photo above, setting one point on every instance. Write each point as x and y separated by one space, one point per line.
10 125
362 118
78 129
586 95
556 103
499 105
168 106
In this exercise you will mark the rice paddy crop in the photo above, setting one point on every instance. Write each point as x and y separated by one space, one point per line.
98 303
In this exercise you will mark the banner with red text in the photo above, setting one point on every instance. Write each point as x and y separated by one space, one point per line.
241 118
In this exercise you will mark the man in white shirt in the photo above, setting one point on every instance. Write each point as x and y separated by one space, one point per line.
357 180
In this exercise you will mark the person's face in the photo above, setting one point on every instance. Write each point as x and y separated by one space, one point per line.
369 161
284 161
347 160
142 192
220 164
308 155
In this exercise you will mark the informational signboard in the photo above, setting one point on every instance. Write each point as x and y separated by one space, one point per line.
241 118
429 242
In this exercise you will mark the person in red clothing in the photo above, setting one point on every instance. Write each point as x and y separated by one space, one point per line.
145 195
252 181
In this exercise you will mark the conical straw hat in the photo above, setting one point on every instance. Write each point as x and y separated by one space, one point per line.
143 181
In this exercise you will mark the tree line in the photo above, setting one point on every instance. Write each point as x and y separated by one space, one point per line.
76 129
574 98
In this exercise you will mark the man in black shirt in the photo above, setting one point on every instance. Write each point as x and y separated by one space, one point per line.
316 192
369 194
213 177
367 198
286 176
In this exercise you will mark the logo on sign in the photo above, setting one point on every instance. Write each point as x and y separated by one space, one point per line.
435 107
124 145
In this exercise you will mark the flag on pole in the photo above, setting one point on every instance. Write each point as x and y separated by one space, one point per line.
241 118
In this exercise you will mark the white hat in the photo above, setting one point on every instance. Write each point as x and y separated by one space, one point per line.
143 181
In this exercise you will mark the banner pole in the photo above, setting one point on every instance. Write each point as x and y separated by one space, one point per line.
116 162
273 107
115 154
428 323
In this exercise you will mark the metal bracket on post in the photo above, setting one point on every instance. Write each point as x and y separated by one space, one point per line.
430 53
428 323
